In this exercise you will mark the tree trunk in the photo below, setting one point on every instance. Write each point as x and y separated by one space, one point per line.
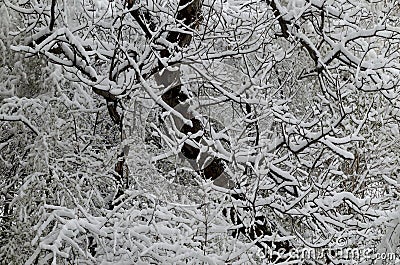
210 168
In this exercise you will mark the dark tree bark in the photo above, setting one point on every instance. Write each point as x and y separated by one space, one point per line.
189 14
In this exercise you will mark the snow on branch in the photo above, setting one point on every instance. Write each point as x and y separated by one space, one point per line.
11 118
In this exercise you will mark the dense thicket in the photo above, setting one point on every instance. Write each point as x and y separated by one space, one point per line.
171 132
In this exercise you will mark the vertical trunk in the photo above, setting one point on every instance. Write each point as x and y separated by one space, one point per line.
189 13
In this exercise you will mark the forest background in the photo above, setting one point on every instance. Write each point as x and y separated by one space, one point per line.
199 132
